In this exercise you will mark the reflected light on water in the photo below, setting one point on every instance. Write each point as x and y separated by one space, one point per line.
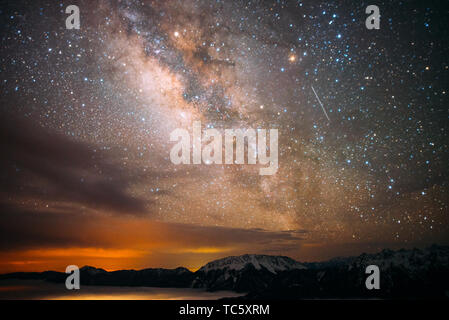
41 290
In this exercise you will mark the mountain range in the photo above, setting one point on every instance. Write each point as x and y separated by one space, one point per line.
404 274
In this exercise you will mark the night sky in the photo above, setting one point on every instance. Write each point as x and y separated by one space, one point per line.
86 117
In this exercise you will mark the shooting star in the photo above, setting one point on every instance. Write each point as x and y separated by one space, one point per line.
322 107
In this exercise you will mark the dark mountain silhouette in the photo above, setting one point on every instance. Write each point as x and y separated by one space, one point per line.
170 278
404 274
247 273
416 274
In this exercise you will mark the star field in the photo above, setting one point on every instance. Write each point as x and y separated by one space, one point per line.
370 170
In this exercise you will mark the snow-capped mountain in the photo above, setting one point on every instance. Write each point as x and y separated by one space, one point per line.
415 273
404 273
412 260
273 264
243 273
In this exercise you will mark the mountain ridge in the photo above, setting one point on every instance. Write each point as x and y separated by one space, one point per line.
416 273
272 263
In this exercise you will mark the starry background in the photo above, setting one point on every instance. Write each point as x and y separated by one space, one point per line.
87 114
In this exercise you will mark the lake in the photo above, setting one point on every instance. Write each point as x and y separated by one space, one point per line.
42 290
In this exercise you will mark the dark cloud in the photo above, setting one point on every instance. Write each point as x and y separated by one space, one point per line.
47 166
62 227
25 228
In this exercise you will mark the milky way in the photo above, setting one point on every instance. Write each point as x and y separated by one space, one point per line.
366 169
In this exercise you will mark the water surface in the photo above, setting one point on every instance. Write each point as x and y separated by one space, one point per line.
42 290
